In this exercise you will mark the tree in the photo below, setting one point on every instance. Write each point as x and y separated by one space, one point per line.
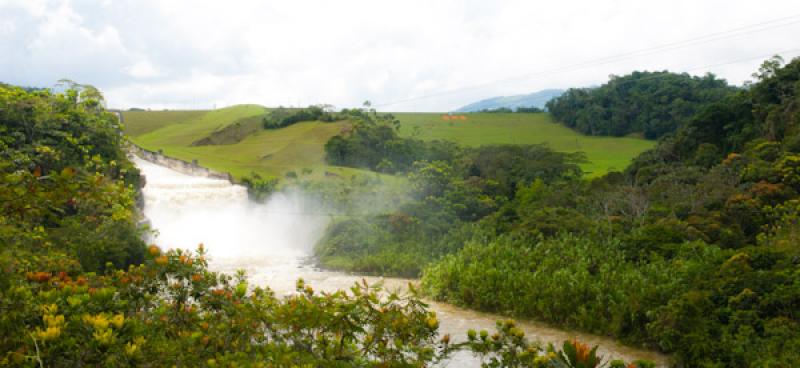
650 103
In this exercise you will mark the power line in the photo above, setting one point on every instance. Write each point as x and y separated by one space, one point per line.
785 52
741 31
711 37
751 58
609 59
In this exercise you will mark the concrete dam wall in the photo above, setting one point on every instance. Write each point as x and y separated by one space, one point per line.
181 166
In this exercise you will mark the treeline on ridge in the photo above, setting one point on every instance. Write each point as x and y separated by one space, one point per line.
277 118
648 103
282 117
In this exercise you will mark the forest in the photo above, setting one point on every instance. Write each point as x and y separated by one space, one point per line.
648 103
691 250
79 286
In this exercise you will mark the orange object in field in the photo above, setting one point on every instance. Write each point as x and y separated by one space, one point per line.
454 117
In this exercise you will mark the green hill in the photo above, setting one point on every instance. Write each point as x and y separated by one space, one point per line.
182 128
276 152
141 122
267 152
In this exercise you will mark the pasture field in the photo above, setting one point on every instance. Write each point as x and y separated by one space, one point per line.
182 128
266 152
141 122
475 129
301 146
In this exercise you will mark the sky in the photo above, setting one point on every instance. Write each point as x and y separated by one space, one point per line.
404 55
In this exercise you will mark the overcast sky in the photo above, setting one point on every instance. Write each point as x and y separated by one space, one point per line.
434 55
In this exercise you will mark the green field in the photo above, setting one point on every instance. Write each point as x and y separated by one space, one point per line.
141 122
267 152
181 128
276 152
604 153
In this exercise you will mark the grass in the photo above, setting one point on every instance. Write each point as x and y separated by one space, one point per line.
276 152
233 133
169 132
604 153
266 152
141 122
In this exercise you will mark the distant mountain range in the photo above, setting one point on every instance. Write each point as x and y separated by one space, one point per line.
535 99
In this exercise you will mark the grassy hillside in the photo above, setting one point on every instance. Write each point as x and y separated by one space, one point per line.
141 122
166 131
604 153
267 152
275 152
233 133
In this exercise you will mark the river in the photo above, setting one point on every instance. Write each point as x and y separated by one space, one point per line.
272 242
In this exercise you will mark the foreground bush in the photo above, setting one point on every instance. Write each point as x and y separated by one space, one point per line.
172 311
66 185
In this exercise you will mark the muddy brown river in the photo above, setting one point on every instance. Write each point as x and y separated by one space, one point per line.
272 242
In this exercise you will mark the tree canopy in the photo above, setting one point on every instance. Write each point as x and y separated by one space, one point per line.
648 103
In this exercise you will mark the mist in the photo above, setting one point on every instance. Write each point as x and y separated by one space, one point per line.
186 211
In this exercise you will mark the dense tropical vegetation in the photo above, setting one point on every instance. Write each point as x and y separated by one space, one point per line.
79 287
374 143
449 186
692 250
67 187
648 103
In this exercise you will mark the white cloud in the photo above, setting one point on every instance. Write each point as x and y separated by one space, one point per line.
190 54
143 69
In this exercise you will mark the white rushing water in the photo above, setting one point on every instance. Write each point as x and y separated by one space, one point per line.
272 242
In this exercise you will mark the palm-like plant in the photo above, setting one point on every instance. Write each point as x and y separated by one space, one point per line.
575 354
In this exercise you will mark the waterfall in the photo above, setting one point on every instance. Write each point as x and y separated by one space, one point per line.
272 240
